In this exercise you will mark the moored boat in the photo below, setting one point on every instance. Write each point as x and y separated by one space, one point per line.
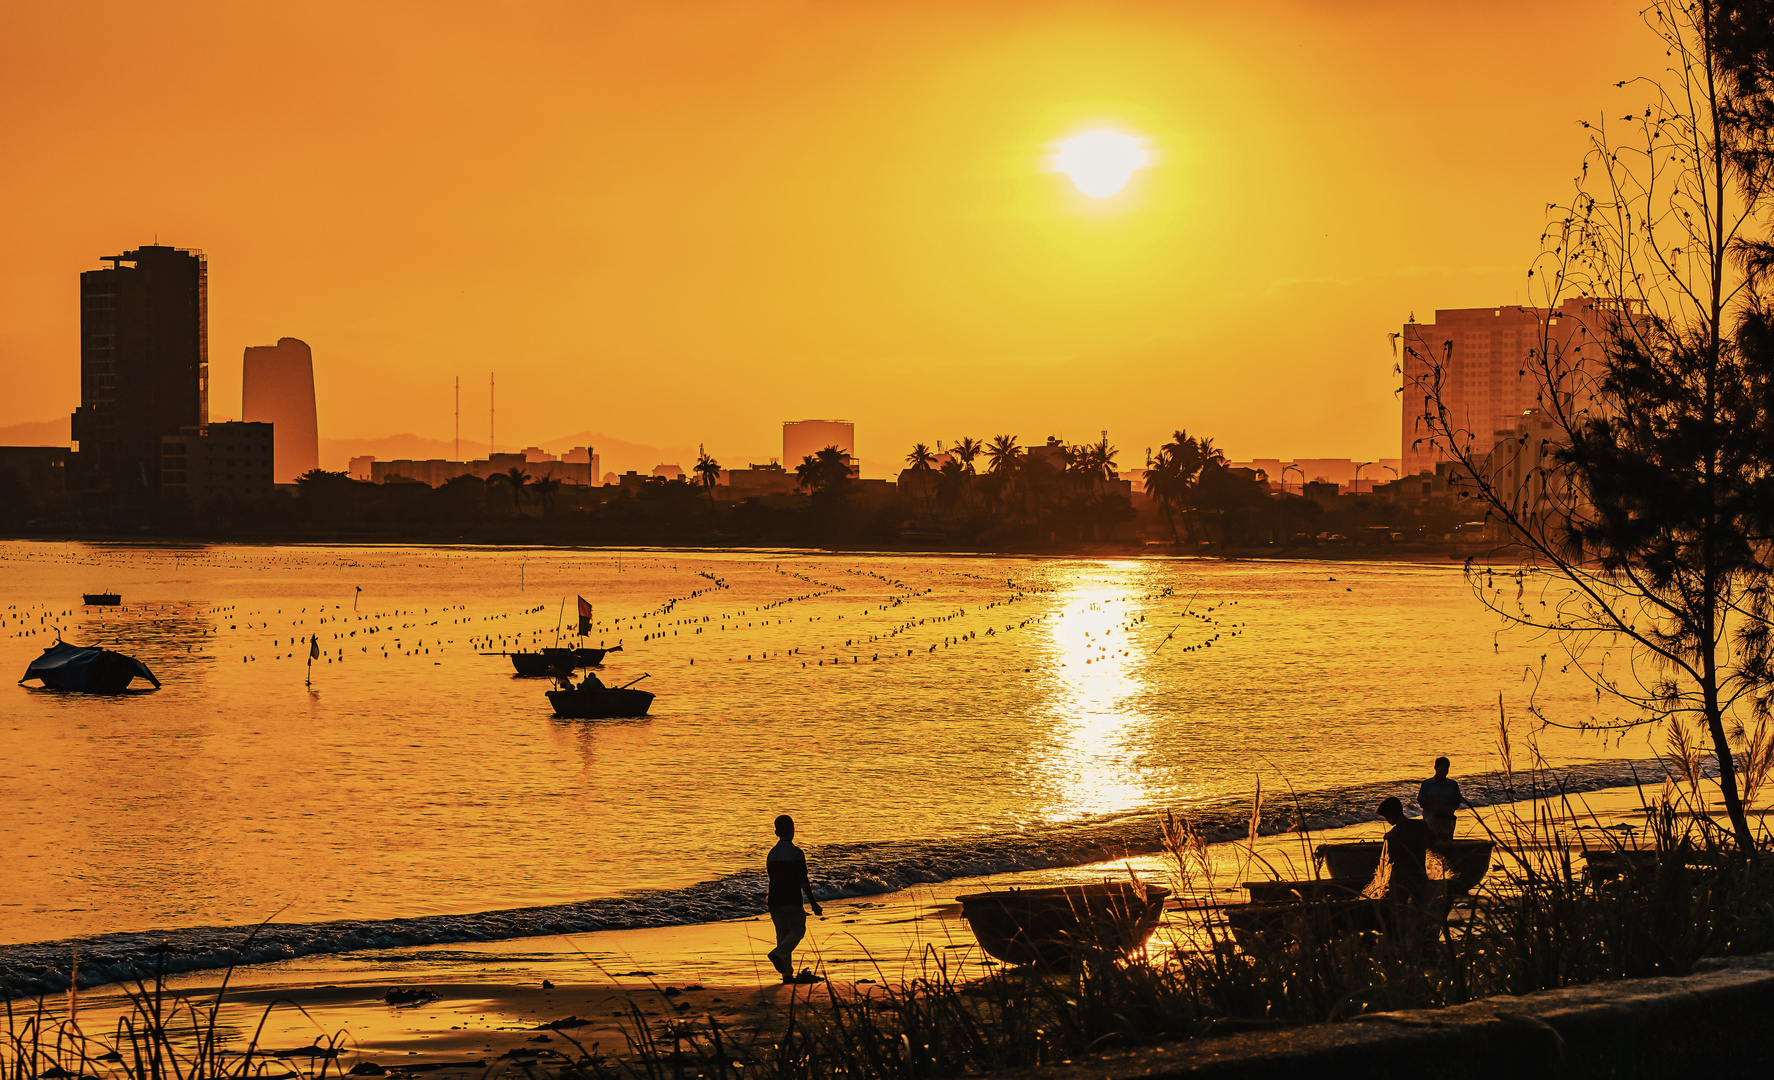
1464 862
1274 892
101 599
549 661
1050 926
1324 918
86 671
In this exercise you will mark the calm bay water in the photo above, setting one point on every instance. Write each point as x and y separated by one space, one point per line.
878 698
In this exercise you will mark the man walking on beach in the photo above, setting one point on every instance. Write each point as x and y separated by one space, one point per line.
1440 797
788 881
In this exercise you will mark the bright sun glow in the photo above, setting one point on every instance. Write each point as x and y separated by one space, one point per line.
1101 163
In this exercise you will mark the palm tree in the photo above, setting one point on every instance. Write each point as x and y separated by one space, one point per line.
1173 476
966 450
544 489
708 470
835 469
1004 455
921 459
517 478
951 483
1165 485
1102 458
826 473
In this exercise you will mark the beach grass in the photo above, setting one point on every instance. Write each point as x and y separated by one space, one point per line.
162 1035
1540 922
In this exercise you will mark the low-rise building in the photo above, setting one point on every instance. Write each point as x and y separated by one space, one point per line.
225 460
40 470
437 472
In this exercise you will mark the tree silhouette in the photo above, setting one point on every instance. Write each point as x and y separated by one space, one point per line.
920 459
1637 498
708 470
967 450
517 478
544 489
825 473
1003 455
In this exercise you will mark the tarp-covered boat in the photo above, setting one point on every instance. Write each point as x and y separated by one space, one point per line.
549 661
88 671
101 599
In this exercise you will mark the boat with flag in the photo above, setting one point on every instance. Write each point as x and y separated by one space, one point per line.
560 658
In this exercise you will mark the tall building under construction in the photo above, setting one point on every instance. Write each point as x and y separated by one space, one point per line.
277 387
144 367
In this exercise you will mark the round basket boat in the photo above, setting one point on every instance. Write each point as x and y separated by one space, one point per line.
1465 861
1051 926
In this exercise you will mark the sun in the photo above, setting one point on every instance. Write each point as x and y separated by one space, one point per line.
1100 163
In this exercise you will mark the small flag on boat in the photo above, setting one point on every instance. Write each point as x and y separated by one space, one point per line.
584 616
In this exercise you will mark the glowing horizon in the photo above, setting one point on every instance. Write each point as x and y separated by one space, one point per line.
684 231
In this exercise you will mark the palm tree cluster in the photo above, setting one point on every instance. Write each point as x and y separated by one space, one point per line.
1052 487
825 474
1174 476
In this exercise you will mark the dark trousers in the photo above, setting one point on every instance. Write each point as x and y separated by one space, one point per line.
791 927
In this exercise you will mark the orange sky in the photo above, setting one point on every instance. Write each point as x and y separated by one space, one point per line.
682 222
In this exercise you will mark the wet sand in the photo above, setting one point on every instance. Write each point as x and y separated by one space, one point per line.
492 1005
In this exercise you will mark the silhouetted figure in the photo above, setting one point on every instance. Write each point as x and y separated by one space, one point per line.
788 881
1440 797
1403 871
592 682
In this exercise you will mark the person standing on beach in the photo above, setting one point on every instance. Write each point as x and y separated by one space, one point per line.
1440 797
788 881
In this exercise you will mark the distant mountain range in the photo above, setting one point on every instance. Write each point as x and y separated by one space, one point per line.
38 433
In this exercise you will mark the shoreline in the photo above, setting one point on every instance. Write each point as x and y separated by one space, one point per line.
845 873
545 1000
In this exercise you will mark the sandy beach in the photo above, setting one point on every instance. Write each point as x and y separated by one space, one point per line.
535 998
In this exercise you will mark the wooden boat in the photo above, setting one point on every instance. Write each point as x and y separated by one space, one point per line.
1319 920
1606 865
87 671
1465 861
549 661
1050 926
101 599
606 703
1277 892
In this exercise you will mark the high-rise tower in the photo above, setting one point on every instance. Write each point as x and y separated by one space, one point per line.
144 365
277 387
1485 371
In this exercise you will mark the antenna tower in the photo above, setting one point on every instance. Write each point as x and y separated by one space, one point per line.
458 418
492 414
